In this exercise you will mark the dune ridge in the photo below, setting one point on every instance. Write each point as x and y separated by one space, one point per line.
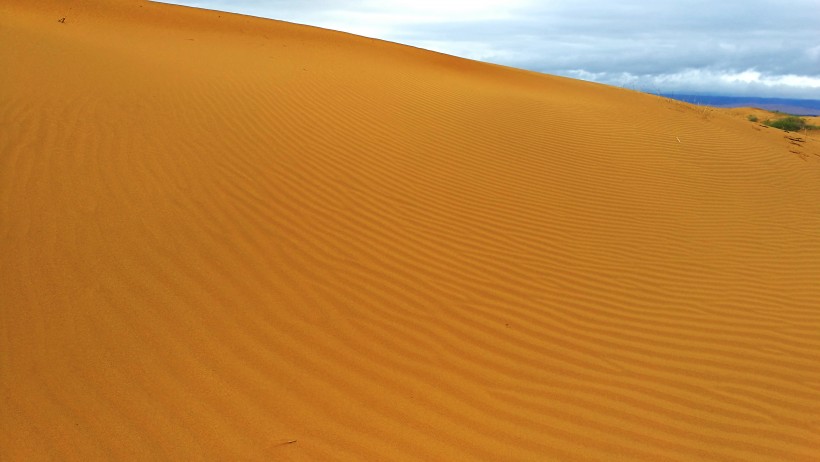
229 238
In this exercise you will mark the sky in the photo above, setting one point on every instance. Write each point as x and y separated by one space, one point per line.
763 48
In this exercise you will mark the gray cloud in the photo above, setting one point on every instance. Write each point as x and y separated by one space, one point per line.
751 48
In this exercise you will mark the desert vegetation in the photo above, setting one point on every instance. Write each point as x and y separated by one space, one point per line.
789 123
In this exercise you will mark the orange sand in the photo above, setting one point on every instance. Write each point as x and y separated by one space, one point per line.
222 234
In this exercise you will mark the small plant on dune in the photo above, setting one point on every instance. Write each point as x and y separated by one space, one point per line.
790 124
752 118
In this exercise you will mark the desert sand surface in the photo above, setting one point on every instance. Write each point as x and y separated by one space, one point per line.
229 238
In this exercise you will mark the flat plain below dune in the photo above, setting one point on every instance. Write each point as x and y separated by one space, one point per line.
229 238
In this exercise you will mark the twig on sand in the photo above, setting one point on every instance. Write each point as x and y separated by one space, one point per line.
286 442
677 139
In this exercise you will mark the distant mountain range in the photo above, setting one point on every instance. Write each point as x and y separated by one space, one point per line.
804 107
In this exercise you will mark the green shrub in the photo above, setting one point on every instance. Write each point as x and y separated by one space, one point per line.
752 118
788 123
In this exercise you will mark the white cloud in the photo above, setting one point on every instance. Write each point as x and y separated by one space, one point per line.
746 83
754 77
440 11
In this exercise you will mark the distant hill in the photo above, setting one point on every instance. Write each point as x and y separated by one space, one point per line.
805 107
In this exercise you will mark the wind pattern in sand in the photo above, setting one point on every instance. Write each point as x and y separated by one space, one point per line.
228 238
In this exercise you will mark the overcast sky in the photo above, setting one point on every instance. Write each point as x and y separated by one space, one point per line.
763 48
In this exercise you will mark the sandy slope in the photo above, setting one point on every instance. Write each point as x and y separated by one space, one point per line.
221 234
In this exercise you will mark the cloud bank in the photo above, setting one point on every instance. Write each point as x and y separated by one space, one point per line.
736 48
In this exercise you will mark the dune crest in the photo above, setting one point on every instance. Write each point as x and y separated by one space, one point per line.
229 238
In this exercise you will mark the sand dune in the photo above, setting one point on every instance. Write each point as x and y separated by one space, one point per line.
228 238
